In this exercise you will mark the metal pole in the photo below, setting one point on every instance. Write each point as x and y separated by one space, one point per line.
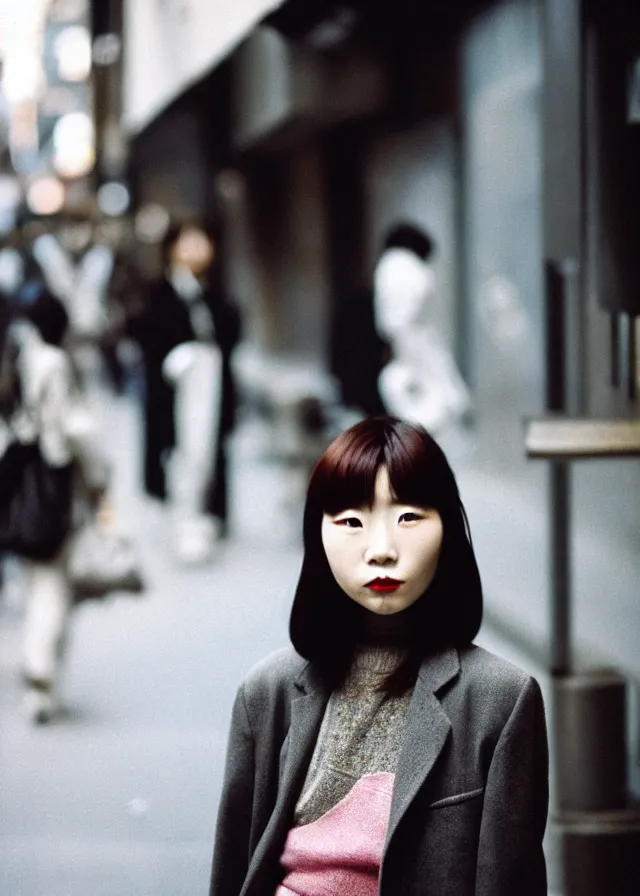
560 488
632 360
556 283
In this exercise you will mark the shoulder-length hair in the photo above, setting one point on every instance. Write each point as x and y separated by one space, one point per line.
325 623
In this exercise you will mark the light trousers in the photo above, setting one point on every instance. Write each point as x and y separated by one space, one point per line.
47 613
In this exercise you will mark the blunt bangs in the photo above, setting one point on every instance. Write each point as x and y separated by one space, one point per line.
419 472
345 476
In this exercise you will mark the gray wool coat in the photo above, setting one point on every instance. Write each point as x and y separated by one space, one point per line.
470 796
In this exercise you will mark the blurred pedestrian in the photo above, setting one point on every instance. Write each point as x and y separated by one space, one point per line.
76 262
420 381
39 407
187 333
385 754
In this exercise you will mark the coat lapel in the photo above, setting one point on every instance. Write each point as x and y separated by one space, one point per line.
306 716
428 727
307 711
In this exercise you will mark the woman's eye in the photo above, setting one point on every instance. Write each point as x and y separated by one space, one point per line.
409 516
349 522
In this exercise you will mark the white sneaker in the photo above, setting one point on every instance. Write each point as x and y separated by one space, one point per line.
39 706
195 540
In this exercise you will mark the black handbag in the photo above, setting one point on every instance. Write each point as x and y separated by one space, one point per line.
35 502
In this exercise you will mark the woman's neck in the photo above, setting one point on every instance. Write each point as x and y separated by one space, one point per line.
392 630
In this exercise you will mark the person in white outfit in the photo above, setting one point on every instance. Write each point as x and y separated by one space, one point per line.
48 412
421 382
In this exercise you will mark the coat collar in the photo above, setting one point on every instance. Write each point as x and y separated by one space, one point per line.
435 672
428 728
308 681
439 669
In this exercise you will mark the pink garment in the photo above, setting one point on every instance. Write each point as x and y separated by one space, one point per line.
340 853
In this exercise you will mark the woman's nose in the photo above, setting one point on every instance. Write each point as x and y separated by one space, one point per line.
381 549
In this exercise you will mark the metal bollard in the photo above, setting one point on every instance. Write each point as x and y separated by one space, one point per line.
601 853
600 832
590 732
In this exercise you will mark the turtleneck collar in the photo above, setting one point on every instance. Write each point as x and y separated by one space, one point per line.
392 630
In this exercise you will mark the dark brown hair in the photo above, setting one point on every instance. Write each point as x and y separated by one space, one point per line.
325 623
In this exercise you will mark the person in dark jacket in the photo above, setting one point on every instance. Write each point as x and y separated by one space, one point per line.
385 753
187 306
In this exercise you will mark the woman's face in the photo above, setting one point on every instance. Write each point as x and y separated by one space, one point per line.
384 557
403 287
194 249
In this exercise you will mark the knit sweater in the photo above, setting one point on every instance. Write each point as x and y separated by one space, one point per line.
341 817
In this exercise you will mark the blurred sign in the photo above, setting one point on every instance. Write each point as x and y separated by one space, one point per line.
106 49
72 49
151 223
113 198
46 196
171 44
73 145
576 439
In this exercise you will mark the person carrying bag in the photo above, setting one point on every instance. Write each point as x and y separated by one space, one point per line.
48 445
35 502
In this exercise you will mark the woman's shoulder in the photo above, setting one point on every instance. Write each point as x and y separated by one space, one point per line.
491 664
272 681
277 670
488 674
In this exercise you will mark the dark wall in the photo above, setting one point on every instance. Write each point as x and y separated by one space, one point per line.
614 33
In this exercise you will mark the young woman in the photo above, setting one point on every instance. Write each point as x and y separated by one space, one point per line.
38 404
385 753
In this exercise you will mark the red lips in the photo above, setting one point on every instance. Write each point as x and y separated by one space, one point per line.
383 585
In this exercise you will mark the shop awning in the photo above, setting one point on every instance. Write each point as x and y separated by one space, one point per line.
169 46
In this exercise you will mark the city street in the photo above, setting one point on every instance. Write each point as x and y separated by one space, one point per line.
118 797
239 270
